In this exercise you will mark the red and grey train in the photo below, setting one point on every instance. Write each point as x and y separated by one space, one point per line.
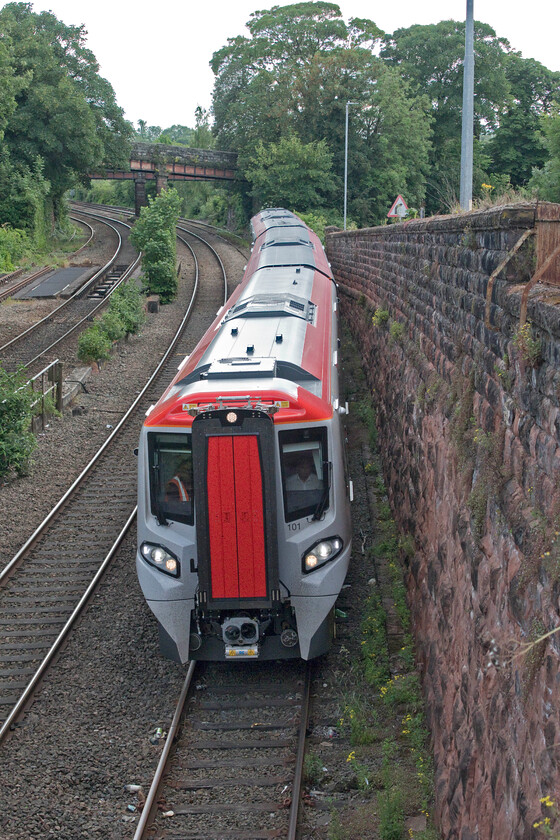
244 532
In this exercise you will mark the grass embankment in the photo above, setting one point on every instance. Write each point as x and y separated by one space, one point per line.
17 250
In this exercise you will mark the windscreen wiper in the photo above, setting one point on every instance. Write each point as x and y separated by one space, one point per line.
156 506
322 503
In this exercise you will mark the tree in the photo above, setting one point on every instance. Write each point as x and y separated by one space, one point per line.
546 181
251 98
202 135
177 135
291 79
431 59
154 235
9 84
389 130
516 147
65 114
291 174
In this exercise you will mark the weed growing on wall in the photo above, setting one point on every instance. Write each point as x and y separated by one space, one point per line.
549 824
505 374
396 330
380 318
529 348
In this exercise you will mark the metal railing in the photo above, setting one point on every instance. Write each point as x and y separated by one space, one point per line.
47 384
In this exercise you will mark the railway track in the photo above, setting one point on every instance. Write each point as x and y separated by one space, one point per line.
29 347
232 766
42 589
12 283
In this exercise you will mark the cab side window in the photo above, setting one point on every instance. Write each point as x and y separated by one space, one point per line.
303 457
171 477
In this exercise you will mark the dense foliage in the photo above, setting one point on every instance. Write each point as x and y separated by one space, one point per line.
282 93
17 441
124 317
154 235
286 86
58 117
546 181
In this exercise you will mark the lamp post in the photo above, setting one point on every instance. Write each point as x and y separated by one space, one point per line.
468 117
346 162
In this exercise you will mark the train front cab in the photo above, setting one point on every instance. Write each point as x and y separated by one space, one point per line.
260 549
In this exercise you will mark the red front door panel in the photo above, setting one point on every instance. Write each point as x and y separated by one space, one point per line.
236 517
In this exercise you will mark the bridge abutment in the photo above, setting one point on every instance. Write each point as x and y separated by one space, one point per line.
140 197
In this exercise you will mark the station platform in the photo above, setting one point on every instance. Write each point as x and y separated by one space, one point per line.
61 282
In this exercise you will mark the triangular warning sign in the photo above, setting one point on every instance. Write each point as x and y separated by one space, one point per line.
399 208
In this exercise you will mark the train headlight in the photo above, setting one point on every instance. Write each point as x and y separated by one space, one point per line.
161 558
321 553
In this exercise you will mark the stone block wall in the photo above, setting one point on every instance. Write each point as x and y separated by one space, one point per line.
469 423
160 153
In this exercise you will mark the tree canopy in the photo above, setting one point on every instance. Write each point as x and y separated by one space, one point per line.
299 65
517 146
287 85
59 117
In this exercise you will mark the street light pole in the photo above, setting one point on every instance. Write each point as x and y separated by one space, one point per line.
468 117
346 162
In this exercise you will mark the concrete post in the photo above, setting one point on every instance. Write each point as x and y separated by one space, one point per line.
468 116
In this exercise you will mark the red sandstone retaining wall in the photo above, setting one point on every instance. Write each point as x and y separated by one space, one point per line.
469 432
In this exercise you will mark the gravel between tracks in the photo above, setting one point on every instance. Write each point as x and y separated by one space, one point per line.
62 774
87 735
67 445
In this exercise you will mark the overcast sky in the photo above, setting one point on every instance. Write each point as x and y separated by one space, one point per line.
156 55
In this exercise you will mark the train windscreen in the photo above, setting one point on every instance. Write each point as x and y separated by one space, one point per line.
303 454
171 477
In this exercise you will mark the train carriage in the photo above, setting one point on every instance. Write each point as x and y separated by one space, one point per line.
243 501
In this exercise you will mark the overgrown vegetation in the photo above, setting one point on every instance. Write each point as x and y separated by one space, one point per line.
154 235
17 441
393 703
13 246
59 119
529 348
387 758
124 317
279 101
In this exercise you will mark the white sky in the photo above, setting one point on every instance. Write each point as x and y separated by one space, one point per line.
156 55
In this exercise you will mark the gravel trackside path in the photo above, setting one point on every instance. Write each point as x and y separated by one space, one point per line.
63 770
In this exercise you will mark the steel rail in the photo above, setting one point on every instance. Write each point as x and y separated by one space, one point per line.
196 236
73 297
76 483
87 317
217 231
50 516
7 571
148 810
300 756
6 293
160 769
57 644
